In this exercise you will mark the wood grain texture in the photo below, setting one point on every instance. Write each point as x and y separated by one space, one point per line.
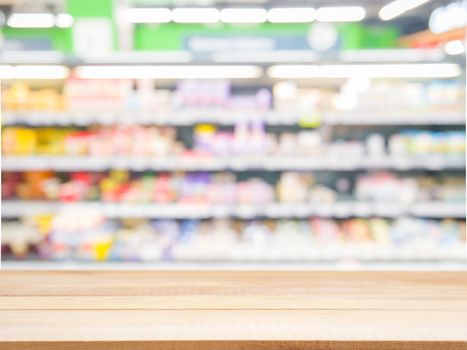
232 310
233 345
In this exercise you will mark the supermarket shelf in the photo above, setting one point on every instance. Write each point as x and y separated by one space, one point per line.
395 118
222 57
223 117
12 209
273 163
179 118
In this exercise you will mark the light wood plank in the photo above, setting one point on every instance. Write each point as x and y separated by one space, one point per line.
223 283
158 325
235 345
237 302
233 309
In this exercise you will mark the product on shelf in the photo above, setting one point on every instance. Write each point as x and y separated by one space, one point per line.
118 186
365 95
246 139
90 237
101 98
384 186
102 141
424 142
98 95
293 187
225 188
126 95
19 96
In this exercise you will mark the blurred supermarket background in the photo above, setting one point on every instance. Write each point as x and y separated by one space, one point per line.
254 133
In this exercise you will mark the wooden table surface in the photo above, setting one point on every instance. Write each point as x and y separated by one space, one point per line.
232 310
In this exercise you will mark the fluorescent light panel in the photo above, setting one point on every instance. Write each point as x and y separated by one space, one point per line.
195 15
449 17
64 20
244 15
33 72
429 70
40 20
398 7
148 15
292 15
31 20
340 14
168 72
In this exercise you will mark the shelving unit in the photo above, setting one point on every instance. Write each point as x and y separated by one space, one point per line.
265 58
264 163
341 211
347 209
229 118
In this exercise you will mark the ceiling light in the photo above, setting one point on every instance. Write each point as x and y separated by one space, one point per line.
168 72
31 20
195 15
454 47
448 17
429 70
398 7
148 15
34 72
340 14
292 15
244 15
64 20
